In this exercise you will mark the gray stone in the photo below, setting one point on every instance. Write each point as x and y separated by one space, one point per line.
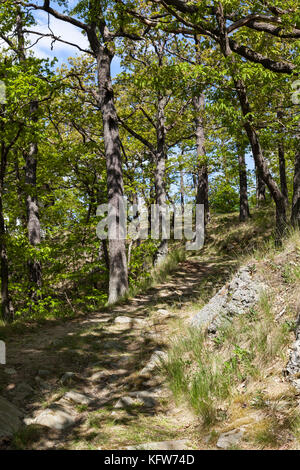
10 418
181 444
293 367
155 360
148 399
237 298
70 377
140 323
230 439
126 402
58 419
123 320
79 398
163 312
98 376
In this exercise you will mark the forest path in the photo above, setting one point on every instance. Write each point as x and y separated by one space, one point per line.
106 352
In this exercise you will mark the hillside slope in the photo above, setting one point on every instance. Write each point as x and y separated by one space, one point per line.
99 382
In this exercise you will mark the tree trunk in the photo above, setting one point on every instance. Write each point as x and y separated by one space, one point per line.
244 205
295 217
282 172
7 310
202 173
33 220
260 161
260 189
118 274
160 176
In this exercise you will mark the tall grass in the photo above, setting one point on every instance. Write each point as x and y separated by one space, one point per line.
204 371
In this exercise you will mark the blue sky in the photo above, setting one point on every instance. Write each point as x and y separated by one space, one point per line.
66 32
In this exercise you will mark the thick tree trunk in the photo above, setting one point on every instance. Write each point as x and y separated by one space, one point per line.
295 216
260 189
281 164
7 309
282 172
201 169
244 205
33 220
118 275
160 176
260 161
6 303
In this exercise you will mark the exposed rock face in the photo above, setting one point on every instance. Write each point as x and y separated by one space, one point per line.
56 418
10 419
237 298
155 360
230 439
144 399
79 398
292 369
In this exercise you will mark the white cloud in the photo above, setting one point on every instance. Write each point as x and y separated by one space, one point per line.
65 31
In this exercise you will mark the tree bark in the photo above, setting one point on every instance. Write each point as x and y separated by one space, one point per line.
295 217
32 208
118 273
282 166
244 205
7 309
33 219
260 189
260 161
160 176
202 172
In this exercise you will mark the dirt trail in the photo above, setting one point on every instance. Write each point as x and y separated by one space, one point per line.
117 352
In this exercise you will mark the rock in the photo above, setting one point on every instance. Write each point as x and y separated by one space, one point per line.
56 418
10 419
155 360
230 439
126 402
140 323
163 312
181 444
79 398
70 377
148 399
98 376
293 367
123 320
237 298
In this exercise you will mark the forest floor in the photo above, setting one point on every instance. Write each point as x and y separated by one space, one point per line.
102 357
